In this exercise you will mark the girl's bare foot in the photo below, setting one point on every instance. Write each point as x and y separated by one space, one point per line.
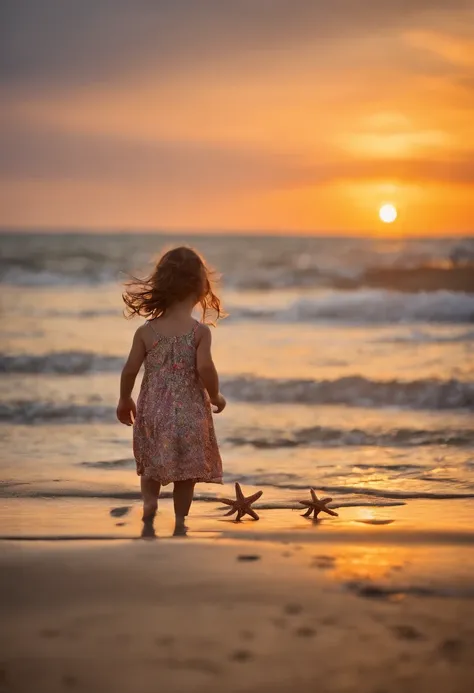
180 528
149 510
148 531
150 492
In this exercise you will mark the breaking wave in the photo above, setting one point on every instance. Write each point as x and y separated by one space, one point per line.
61 362
368 306
362 306
335 437
335 263
417 336
37 412
279 262
355 391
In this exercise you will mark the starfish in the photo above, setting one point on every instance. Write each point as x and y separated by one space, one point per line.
317 505
241 505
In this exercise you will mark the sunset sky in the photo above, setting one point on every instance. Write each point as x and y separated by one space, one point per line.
298 115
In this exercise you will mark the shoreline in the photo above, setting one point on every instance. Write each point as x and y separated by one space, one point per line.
119 516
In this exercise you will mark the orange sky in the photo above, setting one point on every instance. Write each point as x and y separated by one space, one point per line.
201 114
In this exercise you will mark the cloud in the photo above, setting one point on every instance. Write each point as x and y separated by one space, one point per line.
454 50
85 41
459 169
35 154
288 104
32 153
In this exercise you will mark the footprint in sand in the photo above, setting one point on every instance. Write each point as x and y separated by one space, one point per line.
120 511
305 632
452 649
241 656
406 632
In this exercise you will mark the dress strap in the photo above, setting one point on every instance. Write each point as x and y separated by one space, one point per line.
152 328
157 334
197 325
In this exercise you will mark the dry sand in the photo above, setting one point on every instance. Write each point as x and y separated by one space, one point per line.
145 616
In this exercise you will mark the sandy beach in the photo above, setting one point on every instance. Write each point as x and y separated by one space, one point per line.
305 170
249 607
365 393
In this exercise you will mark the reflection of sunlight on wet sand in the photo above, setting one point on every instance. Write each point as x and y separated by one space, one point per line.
369 562
405 567
368 514
375 524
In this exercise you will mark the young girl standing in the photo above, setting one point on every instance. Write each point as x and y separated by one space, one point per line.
173 432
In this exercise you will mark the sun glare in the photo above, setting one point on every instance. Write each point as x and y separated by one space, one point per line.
387 213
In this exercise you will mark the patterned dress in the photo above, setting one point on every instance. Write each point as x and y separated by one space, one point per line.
173 433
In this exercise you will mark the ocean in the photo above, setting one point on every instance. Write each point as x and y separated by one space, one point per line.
347 364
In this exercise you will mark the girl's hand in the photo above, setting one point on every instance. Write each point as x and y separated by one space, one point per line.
126 411
218 403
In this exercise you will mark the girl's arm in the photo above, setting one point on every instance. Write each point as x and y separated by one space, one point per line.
126 409
207 370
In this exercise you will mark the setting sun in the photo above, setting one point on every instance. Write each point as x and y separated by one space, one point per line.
387 213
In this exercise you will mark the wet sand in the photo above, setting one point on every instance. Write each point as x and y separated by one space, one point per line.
251 609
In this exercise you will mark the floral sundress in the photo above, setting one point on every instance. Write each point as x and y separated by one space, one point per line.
173 433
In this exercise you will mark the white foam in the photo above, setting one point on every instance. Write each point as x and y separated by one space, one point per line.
372 306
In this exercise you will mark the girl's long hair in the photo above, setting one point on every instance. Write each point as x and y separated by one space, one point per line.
181 273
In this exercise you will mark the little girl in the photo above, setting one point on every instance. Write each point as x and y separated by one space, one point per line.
173 431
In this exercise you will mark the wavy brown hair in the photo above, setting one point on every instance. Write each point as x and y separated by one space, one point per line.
181 273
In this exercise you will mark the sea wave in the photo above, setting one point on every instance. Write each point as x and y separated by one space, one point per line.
370 306
280 276
38 412
421 395
417 336
363 306
60 362
335 437
350 496
293 483
355 391
267 263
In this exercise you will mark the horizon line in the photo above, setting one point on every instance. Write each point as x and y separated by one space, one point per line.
382 234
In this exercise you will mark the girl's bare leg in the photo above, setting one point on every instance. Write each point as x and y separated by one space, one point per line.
150 492
182 497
